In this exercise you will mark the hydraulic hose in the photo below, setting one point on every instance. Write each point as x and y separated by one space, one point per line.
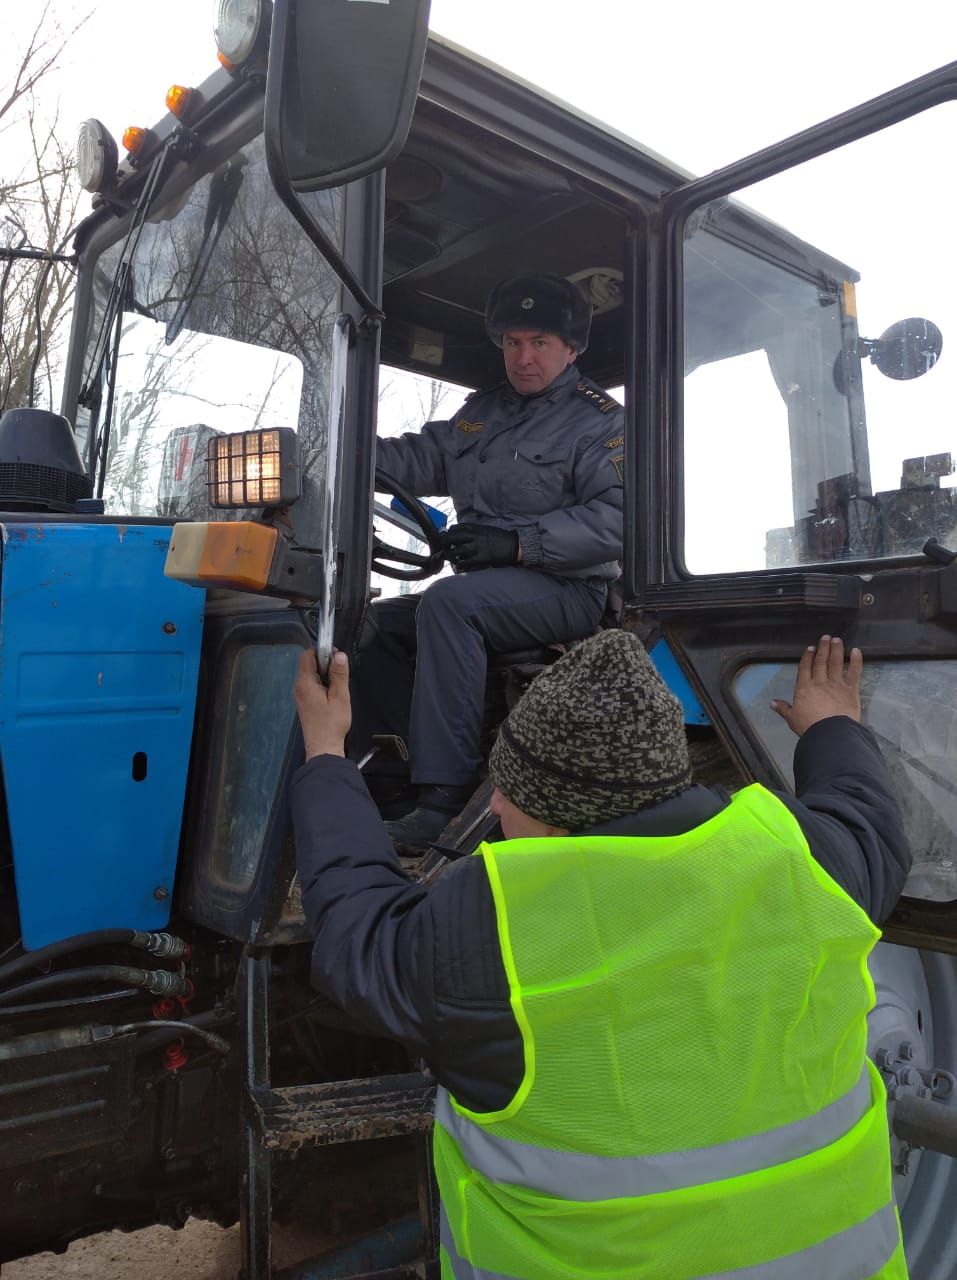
164 945
159 982
80 1037
73 1003
159 1033
209 1038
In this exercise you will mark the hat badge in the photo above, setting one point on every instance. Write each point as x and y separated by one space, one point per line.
527 304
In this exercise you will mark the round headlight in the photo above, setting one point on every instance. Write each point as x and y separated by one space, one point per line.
238 28
96 156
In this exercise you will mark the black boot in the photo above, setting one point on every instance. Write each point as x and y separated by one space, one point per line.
436 808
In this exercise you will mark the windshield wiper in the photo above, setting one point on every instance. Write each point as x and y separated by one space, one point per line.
103 360
223 191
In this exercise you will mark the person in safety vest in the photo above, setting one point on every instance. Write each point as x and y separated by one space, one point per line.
534 468
646 1007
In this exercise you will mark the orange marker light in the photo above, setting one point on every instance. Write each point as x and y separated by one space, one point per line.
237 554
224 62
134 139
178 99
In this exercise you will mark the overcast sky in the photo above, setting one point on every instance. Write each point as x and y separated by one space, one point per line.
700 82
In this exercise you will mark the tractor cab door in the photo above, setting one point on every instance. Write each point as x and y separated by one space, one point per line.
793 476
796 446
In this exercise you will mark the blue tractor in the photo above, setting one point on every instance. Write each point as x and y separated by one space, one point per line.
338 198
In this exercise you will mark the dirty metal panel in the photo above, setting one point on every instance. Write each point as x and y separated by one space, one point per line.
344 1111
99 658
55 1103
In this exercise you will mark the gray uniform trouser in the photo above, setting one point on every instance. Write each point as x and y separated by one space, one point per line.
447 631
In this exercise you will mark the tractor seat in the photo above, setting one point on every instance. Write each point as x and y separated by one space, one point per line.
538 656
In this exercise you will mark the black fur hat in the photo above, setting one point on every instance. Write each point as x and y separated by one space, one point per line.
547 302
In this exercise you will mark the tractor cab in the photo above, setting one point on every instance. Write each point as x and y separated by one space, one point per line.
295 257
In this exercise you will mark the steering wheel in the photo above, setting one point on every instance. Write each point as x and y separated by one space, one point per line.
423 566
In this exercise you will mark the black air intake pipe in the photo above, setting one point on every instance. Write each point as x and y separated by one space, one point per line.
40 466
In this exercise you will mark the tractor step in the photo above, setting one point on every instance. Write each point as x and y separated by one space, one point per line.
343 1110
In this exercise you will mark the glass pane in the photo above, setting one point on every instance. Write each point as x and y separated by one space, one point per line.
171 399
819 394
912 709
227 329
258 725
406 402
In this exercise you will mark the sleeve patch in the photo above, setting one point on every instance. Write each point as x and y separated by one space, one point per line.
616 443
619 461
470 427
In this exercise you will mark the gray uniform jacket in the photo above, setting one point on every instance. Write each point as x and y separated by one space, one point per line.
548 466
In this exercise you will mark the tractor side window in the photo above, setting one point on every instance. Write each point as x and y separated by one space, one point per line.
406 402
911 707
820 387
762 498
259 721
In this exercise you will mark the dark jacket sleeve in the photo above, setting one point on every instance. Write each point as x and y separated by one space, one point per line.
371 923
846 805
422 966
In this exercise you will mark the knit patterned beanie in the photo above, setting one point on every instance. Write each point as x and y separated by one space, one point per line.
595 736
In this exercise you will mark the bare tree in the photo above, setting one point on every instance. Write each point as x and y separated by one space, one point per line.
42 51
406 401
38 294
38 204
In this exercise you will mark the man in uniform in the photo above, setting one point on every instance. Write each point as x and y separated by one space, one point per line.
646 1007
534 468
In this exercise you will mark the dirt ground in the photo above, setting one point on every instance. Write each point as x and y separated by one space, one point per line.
201 1251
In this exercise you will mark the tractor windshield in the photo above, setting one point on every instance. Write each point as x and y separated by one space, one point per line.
225 327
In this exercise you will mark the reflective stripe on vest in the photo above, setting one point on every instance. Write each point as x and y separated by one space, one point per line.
856 1254
572 1175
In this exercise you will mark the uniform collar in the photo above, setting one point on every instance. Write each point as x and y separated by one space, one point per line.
565 379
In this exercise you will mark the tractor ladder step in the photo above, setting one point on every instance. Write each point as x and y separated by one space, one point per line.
343 1110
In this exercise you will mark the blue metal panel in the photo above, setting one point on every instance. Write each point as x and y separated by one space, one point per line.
99 658
677 682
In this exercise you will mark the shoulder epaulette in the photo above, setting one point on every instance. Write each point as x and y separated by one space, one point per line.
598 399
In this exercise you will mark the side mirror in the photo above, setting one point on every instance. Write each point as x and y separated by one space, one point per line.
341 85
908 349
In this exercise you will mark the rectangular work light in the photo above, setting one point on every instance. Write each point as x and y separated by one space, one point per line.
253 469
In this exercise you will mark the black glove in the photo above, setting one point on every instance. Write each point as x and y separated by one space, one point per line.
480 546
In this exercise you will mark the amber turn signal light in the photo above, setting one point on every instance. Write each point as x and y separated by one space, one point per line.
235 553
244 556
135 139
179 100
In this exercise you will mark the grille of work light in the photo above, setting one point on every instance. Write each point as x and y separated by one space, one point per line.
253 469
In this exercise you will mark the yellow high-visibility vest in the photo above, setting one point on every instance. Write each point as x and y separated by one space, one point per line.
697 1103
